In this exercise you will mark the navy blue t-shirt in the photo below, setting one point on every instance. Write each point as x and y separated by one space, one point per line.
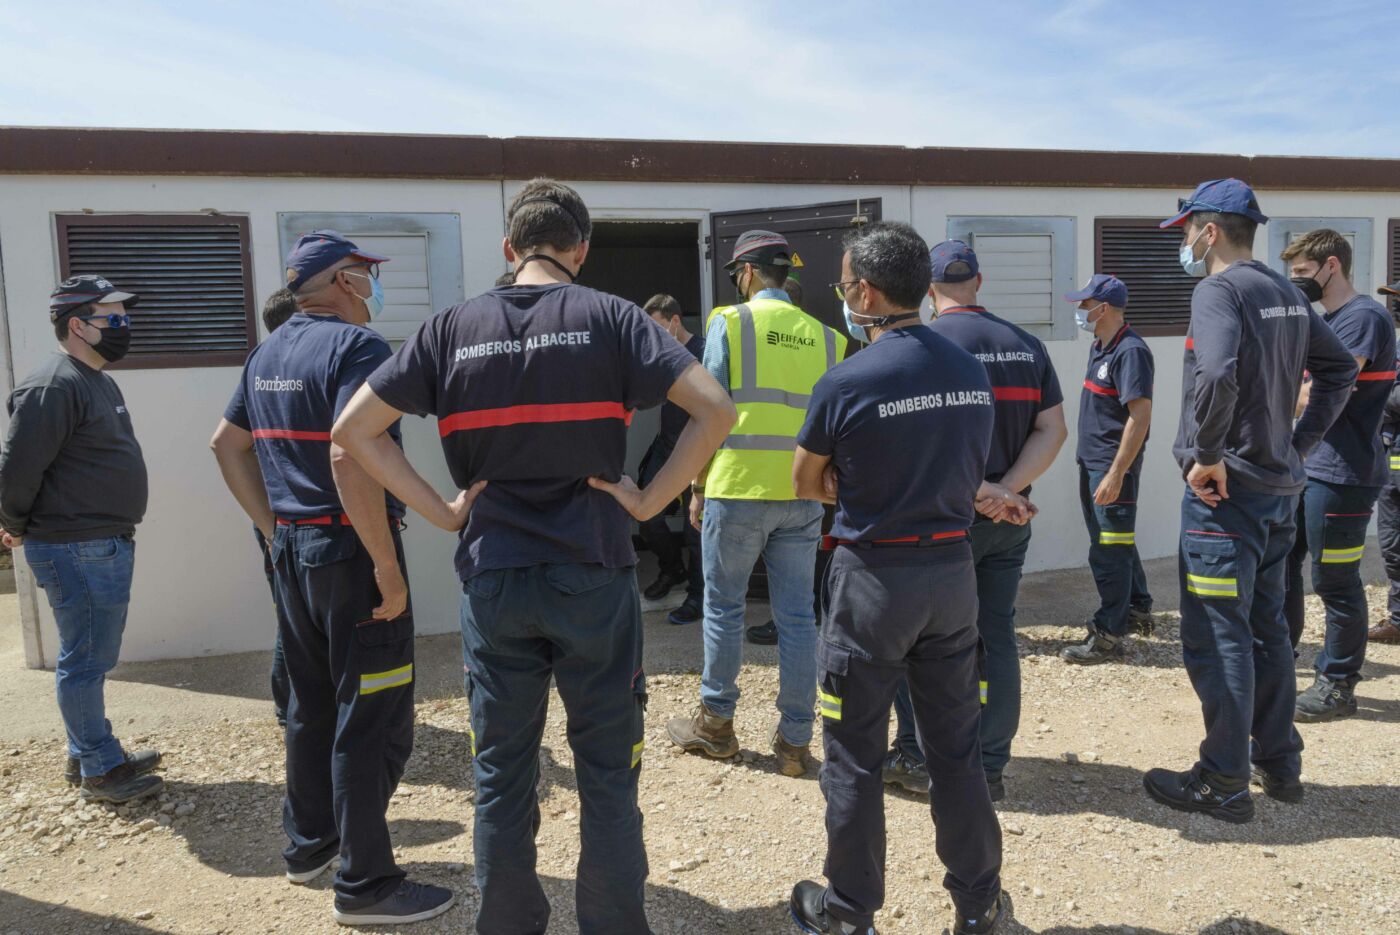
533 388
1023 380
1118 373
293 387
907 423
1351 451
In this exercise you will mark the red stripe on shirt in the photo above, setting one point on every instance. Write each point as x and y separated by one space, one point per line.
1101 390
1190 344
1376 375
1016 394
292 435
531 414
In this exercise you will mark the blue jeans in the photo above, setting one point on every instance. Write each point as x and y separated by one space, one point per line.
1234 640
581 624
1334 518
1113 554
88 585
998 554
785 533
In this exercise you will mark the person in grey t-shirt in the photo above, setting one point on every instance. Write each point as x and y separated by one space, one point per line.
72 489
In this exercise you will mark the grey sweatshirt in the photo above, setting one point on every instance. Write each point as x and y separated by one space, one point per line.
71 468
1252 335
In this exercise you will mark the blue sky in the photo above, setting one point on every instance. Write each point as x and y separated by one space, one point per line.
1285 77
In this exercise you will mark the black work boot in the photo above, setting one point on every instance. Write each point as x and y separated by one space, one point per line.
1098 647
1141 621
142 761
1193 791
808 907
1282 788
989 921
664 584
765 634
689 612
120 784
996 787
900 770
1326 700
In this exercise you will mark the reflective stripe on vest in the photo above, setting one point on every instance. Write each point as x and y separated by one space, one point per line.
777 353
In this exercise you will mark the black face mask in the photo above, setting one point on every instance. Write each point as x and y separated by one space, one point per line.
548 259
1312 289
113 345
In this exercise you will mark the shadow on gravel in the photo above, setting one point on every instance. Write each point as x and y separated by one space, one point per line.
1042 786
32 916
1222 927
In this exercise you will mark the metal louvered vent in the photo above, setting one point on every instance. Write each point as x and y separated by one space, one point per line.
1393 262
191 272
1145 258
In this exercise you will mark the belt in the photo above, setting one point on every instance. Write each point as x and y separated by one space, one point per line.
905 542
335 520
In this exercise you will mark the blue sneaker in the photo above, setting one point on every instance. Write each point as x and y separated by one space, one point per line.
411 902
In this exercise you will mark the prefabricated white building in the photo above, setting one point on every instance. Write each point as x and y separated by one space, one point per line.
202 219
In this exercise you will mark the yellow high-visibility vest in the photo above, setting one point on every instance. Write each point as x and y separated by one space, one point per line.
777 352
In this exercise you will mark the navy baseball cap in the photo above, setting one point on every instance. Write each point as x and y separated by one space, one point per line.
762 247
77 291
1222 196
946 254
317 251
1103 288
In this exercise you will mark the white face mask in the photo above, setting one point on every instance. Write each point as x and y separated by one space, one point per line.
1081 317
1187 257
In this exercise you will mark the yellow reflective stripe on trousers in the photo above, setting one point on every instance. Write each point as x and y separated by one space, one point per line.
830 705
1395 462
637 749
1212 587
1117 538
378 681
1342 556
982 691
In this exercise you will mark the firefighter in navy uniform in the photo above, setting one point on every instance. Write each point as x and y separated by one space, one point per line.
1388 507
1115 413
533 385
1252 334
347 624
1029 431
900 593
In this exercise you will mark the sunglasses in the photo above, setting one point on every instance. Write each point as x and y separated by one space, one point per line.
115 320
1186 204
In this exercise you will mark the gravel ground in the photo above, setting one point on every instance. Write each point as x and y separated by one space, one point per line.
1085 851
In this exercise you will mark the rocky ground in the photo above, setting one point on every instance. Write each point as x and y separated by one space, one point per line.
1086 852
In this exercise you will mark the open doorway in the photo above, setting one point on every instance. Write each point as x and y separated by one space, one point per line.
637 259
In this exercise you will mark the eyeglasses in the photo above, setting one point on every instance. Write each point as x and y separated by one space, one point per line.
371 268
115 320
840 287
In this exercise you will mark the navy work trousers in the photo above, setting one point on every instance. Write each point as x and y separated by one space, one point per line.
349 711
656 533
998 554
1113 554
1388 531
278 678
581 624
889 612
1332 521
1234 639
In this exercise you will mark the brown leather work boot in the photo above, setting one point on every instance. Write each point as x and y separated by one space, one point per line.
706 731
792 760
1384 632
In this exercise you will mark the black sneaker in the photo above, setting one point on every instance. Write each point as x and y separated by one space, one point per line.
142 761
1141 621
808 907
1192 792
987 922
411 902
996 787
664 584
1325 700
689 612
1097 648
120 784
765 634
1282 788
305 876
901 770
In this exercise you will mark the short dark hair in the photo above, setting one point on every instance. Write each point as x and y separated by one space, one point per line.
279 306
546 213
60 326
794 290
771 276
1237 229
893 258
663 304
1317 246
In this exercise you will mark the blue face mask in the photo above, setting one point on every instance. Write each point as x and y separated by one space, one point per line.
375 303
1187 256
853 329
1081 318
